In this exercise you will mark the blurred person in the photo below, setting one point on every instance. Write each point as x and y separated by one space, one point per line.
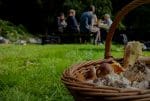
107 20
60 23
72 24
105 25
87 23
72 27
94 28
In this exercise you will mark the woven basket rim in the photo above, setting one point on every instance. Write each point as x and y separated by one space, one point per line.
107 92
83 65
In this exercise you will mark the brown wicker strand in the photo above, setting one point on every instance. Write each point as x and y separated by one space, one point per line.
129 97
144 99
116 21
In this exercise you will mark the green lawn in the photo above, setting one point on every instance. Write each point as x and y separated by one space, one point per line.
32 72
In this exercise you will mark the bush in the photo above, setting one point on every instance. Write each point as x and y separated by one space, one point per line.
12 32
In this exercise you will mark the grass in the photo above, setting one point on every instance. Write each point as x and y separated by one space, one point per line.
32 72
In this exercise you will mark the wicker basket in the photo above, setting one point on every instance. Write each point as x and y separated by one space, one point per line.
82 91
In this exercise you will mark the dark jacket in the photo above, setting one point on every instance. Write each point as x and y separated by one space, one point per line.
72 24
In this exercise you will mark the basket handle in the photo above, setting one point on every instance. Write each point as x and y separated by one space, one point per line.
119 16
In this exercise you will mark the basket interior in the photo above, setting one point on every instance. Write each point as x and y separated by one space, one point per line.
84 73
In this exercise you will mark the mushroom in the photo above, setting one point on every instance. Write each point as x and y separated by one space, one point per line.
104 69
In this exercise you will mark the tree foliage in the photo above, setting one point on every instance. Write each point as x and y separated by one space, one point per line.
12 32
102 6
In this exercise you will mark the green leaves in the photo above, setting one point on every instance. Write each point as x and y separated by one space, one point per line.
12 32
102 6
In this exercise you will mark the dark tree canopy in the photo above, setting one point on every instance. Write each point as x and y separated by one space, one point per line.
102 6
31 13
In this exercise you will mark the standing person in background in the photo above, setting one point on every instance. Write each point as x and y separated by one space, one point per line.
72 24
86 23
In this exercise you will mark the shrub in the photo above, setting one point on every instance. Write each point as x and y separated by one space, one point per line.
13 32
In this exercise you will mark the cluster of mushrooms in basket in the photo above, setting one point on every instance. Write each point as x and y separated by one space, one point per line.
132 73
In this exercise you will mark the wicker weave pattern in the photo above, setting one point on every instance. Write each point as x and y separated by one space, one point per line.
88 92
82 91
